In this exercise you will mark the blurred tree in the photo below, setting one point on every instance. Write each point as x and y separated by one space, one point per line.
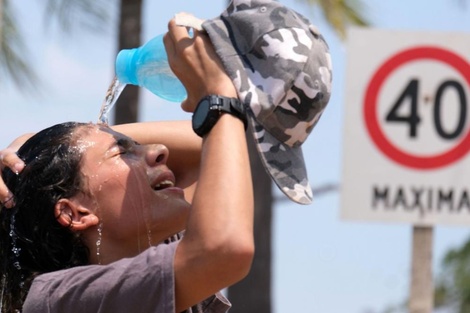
70 14
254 293
12 50
130 25
341 13
452 291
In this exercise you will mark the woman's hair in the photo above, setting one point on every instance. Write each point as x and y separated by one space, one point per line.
32 241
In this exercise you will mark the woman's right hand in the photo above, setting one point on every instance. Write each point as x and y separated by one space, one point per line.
194 61
9 158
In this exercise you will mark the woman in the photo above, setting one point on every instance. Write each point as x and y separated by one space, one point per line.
90 201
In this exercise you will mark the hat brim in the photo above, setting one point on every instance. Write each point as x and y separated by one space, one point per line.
285 164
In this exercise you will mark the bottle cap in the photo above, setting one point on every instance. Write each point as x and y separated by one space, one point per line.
125 67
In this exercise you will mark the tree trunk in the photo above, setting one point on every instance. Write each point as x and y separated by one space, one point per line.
253 294
130 25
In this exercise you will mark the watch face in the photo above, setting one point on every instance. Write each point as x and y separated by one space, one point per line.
200 114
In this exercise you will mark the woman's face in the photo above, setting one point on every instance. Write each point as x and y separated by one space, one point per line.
130 187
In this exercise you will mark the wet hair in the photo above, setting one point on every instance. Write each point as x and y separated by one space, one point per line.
32 241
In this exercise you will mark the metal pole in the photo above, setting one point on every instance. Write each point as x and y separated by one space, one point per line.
421 288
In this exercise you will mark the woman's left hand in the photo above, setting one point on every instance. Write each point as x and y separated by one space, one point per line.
9 158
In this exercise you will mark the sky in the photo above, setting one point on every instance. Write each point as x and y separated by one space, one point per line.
322 263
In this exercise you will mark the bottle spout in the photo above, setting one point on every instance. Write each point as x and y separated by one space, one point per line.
125 67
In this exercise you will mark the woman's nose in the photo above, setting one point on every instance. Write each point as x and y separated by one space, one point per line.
157 155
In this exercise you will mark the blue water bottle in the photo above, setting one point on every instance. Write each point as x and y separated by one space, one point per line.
148 67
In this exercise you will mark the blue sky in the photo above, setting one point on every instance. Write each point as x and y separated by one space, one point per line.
321 263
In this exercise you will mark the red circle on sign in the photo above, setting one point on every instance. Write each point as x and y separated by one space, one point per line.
370 108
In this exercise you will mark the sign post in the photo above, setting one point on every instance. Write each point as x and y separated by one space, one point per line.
421 286
407 138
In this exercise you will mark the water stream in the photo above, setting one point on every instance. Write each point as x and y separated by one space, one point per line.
112 95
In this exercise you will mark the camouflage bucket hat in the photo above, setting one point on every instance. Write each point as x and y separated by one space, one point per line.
281 68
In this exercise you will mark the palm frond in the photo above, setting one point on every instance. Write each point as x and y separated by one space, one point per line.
90 15
13 59
342 13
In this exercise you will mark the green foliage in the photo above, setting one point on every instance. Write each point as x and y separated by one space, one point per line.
13 62
453 284
88 15
342 13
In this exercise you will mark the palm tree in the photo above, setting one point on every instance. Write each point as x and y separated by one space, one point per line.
252 295
92 15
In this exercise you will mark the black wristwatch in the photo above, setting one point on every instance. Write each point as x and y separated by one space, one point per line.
210 108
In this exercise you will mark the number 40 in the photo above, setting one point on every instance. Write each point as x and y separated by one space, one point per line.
413 119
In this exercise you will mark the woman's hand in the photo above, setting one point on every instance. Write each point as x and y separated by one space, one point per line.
195 62
8 158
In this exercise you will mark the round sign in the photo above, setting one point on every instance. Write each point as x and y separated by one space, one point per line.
373 125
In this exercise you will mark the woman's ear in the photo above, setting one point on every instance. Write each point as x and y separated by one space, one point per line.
71 214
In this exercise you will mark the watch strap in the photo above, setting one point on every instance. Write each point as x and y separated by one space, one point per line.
217 106
232 106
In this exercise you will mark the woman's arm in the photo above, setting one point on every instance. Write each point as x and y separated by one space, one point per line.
217 248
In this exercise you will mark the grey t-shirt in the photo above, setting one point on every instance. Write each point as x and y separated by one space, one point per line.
142 284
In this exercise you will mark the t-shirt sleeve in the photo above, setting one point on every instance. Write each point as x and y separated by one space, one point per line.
144 283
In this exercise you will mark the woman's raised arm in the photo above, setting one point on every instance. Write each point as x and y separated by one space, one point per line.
217 248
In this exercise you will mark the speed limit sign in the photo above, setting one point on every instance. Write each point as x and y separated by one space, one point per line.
407 127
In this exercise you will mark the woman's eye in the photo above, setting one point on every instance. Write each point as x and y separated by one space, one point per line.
124 146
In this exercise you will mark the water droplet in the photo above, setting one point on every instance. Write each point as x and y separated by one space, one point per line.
149 235
98 242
